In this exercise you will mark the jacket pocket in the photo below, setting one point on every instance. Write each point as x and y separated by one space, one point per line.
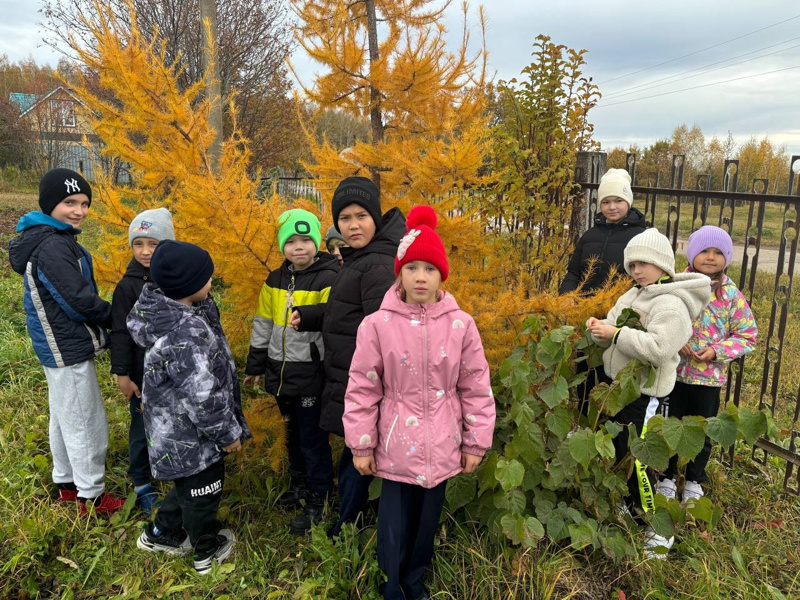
392 426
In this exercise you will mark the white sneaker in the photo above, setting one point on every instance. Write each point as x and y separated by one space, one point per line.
667 488
692 491
656 546
225 542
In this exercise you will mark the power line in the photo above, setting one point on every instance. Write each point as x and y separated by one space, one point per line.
738 37
649 83
635 91
698 87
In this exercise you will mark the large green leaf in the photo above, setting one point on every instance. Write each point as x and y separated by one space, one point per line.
486 472
509 473
582 446
605 445
559 421
554 392
522 530
513 501
652 450
375 488
685 437
581 536
752 424
460 491
722 429
661 521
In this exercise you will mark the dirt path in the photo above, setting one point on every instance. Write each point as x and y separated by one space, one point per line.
767 257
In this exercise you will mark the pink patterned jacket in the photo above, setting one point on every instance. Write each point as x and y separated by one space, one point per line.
419 393
727 325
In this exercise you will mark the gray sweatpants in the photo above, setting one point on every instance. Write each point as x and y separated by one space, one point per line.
78 427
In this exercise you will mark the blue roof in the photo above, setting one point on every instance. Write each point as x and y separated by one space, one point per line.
22 101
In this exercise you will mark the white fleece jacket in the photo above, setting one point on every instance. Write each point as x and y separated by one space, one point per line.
667 311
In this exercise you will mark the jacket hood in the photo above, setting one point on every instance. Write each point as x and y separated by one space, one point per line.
386 240
323 262
693 289
34 227
634 217
154 315
392 302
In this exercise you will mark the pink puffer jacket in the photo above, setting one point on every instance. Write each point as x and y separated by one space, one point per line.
419 392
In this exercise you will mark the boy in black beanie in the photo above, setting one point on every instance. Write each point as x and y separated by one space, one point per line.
191 403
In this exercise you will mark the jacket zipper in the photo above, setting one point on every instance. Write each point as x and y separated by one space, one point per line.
391 430
425 405
289 292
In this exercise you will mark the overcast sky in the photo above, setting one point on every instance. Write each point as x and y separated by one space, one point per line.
622 37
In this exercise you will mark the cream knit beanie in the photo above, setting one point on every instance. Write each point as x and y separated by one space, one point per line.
616 182
651 247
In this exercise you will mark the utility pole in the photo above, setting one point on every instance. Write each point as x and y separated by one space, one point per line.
208 13
375 116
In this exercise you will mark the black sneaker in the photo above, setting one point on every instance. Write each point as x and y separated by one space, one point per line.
311 514
175 543
204 562
292 498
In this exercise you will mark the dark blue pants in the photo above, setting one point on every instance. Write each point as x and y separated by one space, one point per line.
699 401
408 518
353 491
307 444
139 461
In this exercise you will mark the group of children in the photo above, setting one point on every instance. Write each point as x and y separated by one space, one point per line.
691 326
360 342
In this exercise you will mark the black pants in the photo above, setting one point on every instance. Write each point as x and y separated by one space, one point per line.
408 518
641 490
307 444
353 490
139 461
192 505
698 401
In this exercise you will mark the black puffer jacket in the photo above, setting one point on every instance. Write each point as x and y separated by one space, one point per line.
126 357
607 242
357 291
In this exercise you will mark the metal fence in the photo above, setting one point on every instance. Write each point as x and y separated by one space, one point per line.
765 232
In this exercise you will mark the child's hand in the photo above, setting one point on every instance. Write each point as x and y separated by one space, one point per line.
294 321
601 331
365 464
686 351
234 447
127 387
707 354
470 462
254 379
591 322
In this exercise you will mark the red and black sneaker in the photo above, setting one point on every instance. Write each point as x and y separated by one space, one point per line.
67 492
104 504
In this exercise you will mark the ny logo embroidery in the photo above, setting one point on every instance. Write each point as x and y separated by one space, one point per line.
72 186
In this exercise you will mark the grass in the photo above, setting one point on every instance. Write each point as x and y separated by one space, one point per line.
48 551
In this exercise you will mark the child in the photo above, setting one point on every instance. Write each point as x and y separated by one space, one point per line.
127 359
357 291
192 407
616 224
419 407
667 304
724 331
66 321
292 361
334 242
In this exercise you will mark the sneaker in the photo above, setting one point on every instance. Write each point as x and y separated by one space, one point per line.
292 498
667 488
311 514
225 542
147 499
175 543
692 491
67 492
656 546
104 504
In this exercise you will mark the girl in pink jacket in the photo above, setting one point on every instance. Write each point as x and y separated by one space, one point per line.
419 407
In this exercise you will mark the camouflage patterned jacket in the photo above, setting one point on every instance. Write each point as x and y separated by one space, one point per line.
191 402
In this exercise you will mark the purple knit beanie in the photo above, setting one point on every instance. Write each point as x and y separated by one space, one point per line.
706 237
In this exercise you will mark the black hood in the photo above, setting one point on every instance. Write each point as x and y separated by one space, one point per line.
634 217
386 240
137 270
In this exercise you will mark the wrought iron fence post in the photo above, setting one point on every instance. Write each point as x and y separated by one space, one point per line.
589 168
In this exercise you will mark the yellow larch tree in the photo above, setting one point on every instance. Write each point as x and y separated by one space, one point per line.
162 135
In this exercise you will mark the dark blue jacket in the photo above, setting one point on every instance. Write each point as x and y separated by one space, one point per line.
66 317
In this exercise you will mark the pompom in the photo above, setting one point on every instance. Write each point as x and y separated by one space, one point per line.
421 215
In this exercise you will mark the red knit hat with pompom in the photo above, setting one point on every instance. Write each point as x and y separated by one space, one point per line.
422 242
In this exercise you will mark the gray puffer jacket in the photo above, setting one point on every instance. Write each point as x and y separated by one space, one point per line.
191 401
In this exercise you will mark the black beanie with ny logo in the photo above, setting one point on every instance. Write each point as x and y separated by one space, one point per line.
57 184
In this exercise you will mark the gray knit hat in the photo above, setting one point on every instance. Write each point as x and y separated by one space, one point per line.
155 224
651 247
332 234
